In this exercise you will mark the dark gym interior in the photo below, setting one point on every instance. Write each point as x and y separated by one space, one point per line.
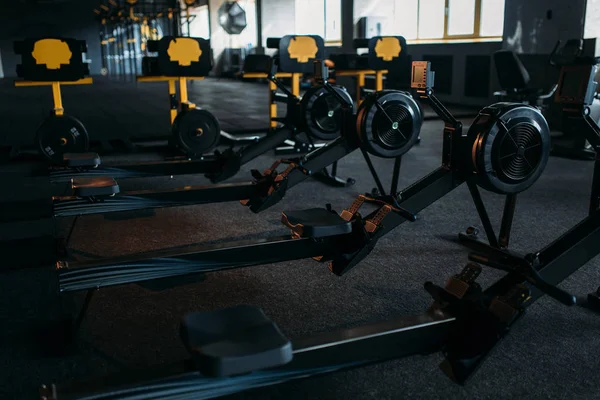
155 245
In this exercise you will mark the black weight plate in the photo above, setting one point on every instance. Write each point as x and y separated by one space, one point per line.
321 112
60 134
389 123
509 146
196 132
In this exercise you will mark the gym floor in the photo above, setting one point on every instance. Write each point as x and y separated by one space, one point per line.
551 353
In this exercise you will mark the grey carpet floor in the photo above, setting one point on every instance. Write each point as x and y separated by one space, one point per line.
551 353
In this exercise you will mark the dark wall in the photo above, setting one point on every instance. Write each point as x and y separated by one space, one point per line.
464 71
534 26
38 18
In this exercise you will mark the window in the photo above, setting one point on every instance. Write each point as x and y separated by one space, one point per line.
247 39
491 21
461 17
319 17
197 24
592 17
432 19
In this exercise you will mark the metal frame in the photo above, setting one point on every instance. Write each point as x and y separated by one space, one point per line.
455 318
567 253
316 355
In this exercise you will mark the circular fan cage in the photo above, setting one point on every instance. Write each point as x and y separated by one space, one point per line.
196 132
322 112
391 128
510 146
232 17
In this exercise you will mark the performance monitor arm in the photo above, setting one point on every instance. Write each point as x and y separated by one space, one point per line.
272 72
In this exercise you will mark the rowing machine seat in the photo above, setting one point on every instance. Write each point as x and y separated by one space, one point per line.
94 187
316 222
79 160
233 341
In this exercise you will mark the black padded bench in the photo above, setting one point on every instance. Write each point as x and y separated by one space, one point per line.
94 187
81 160
234 341
316 222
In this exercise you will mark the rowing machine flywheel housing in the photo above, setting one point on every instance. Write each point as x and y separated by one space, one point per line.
322 112
388 123
196 132
60 134
508 147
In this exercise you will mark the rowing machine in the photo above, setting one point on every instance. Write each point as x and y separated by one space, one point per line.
101 195
317 114
237 349
578 245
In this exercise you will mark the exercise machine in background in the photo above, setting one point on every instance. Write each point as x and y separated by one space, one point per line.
54 62
315 117
295 57
384 54
576 94
514 79
50 61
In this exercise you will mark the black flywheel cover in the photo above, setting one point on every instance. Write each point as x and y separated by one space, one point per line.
389 123
322 112
60 134
196 132
509 147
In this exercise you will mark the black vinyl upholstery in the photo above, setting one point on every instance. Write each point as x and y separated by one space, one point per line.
234 341
75 160
94 187
316 222
512 74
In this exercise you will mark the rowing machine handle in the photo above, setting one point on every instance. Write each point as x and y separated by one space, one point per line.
272 71
321 71
272 68
321 74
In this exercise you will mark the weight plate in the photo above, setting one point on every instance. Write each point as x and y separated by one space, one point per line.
388 123
60 134
321 112
509 146
196 132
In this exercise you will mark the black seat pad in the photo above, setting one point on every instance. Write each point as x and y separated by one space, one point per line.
97 186
234 341
316 222
81 159
512 74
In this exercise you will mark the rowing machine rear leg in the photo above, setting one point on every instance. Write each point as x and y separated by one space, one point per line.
58 336
331 178
594 300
